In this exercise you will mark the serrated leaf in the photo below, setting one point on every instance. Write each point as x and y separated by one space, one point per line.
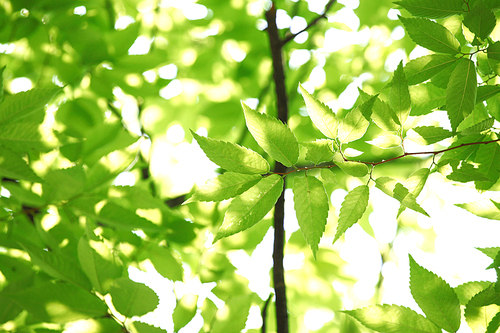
13 166
231 156
432 9
483 125
482 208
467 290
57 265
353 208
430 134
132 298
399 95
311 206
494 324
27 136
435 297
491 252
386 141
466 173
321 115
225 186
393 319
488 157
480 20
493 52
485 297
273 136
393 188
461 92
355 169
250 207
425 98
415 183
478 318
64 184
139 327
238 307
423 68
431 35
486 92
328 176
382 114
353 126
319 151
165 262
23 104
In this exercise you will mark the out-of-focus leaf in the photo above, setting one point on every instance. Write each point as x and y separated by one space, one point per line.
132 298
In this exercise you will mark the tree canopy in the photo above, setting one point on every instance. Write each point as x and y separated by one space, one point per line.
220 166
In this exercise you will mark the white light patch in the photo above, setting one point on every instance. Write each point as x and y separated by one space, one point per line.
123 22
20 84
393 60
172 89
80 10
175 133
393 14
351 4
298 23
315 319
298 58
194 11
398 33
125 178
168 72
317 76
346 16
141 46
283 20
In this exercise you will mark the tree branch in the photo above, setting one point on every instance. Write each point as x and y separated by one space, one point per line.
291 36
279 209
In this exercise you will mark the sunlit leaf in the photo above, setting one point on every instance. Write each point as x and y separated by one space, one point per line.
132 298
486 92
321 115
353 126
23 104
483 208
466 173
435 297
233 316
396 190
467 290
432 9
423 68
480 20
250 207
488 157
231 156
353 208
428 135
399 95
478 318
355 169
461 92
273 136
415 183
319 151
382 114
493 52
386 141
13 166
311 206
328 176
425 98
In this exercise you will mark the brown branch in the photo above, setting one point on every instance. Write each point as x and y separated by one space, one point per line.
393 158
279 209
291 36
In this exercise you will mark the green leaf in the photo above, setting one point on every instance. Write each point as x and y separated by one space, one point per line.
461 92
273 136
491 252
466 173
393 188
399 95
480 20
393 319
140 327
493 52
488 157
319 151
321 115
165 262
494 324
353 208
98 263
132 298
231 156
23 104
57 265
430 134
386 141
467 290
431 35
415 183
233 316
435 297
59 302
64 184
482 208
355 169
26 136
184 311
328 176
425 98
423 68
478 318
225 186
485 297
353 126
481 126
382 114
250 207
432 9
13 166
486 92
311 205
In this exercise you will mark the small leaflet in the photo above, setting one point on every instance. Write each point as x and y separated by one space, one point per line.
431 35
415 183
352 209
311 207
132 298
382 114
225 186
423 68
428 135
353 126
399 95
461 92
328 176
231 156
393 319
355 169
425 98
432 9
393 188
319 151
482 208
251 206
273 136
435 297
321 115
466 173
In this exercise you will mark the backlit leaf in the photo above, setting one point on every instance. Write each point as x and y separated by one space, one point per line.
382 114
238 308
273 136
355 169
321 115
461 92
435 297
431 35
486 92
393 319
488 157
132 298
396 190
319 151
466 173
328 176
311 207
483 208
353 126
353 208
13 166
23 104
478 318
425 98
415 183
231 156
432 9
225 186
250 207
423 68
467 290
493 52
399 95
386 141
480 20
430 134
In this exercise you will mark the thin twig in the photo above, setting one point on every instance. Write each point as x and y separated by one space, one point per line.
264 313
291 36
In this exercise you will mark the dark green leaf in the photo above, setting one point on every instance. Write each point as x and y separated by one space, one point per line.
431 134
466 173
480 20
23 104
423 68
432 9
461 92
486 92
485 297
493 52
